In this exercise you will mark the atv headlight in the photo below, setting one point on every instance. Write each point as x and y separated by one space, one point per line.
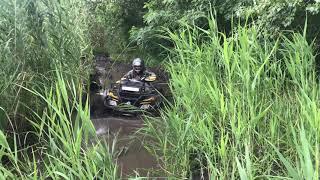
145 106
112 103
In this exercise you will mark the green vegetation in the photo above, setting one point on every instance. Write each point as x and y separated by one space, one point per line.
63 149
45 55
112 22
244 83
138 26
245 106
36 37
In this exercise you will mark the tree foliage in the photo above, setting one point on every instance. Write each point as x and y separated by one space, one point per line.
112 21
139 23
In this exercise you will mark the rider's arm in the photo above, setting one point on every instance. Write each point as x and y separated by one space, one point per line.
151 76
127 76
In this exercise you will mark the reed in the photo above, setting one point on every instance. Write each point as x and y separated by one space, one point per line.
67 145
245 106
45 56
35 37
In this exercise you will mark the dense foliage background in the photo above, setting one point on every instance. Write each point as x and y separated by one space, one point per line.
137 24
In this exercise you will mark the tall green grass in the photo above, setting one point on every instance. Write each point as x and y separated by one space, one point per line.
67 147
35 37
245 106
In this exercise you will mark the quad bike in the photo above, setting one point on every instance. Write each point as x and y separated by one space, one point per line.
132 96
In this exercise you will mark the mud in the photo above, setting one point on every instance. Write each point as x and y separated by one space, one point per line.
132 158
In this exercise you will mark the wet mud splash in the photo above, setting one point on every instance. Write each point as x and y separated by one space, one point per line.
132 158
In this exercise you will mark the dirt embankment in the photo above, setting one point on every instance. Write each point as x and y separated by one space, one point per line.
132 157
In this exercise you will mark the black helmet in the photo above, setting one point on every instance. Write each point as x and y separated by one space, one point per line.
138 65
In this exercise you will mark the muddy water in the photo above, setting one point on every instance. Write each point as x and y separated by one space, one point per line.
132 157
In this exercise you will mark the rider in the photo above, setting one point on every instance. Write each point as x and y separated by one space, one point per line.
139 72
